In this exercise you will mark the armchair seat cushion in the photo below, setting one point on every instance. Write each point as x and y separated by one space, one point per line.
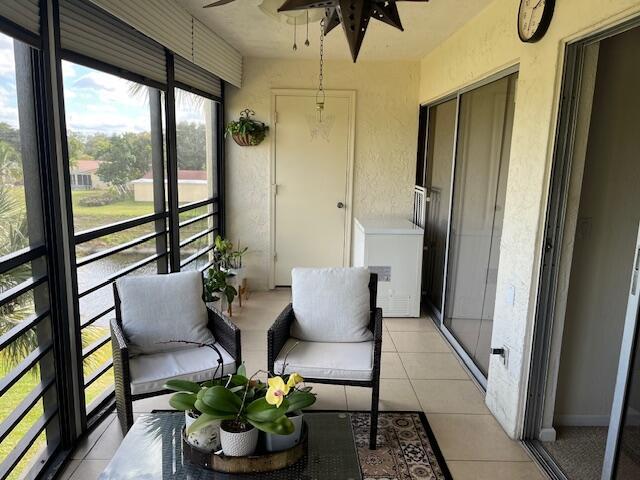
327 361
150 372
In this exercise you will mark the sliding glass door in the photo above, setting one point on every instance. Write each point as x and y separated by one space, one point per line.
481 166
468 142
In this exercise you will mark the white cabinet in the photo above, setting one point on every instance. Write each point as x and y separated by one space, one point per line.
392 248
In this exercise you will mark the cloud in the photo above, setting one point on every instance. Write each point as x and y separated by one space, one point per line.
7 61
99 102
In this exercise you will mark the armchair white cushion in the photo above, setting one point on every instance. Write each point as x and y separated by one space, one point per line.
157 309
327 361
149 373
331 305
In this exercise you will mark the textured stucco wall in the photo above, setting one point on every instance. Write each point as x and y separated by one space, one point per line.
385 143
488 44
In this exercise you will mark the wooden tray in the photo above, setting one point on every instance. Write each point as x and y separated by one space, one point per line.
261 461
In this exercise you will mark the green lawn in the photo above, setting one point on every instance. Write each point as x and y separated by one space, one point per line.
28 382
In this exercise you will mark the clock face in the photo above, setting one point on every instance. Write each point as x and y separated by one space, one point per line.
534 17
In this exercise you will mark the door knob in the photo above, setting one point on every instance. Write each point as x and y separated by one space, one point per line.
340 205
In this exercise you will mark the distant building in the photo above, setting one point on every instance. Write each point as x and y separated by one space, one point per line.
83 175
192 186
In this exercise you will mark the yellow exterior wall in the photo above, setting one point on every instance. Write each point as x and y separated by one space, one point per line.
187 192
488 44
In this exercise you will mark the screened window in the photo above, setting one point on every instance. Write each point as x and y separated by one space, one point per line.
114 136
197 158
28 402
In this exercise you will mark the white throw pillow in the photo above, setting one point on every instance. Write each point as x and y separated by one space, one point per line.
157 309
331 304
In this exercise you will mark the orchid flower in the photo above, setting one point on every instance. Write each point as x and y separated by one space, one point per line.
277 391
294 379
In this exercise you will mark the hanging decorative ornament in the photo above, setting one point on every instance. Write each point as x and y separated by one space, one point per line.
295 34
354 16
306 42
320 97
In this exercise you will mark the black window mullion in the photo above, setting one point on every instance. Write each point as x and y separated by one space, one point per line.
158 173
172 167
220 163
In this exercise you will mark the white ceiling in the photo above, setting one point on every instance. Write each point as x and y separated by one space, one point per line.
256 34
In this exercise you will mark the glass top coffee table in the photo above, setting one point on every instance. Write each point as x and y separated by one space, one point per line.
152 450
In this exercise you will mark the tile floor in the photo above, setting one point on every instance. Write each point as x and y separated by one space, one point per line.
419 372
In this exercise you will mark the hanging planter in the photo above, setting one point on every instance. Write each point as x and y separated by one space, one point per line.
246 131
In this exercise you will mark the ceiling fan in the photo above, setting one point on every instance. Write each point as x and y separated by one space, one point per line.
354 15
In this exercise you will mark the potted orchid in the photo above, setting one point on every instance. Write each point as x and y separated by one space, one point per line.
297 398
239 407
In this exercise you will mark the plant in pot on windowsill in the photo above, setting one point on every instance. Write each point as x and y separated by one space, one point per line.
246 131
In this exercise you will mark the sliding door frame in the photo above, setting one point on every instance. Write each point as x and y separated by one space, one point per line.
441 315
574 58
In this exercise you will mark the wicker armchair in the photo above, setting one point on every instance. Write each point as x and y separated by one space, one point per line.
227 338
279 335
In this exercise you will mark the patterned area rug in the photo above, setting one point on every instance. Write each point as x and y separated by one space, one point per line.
407 448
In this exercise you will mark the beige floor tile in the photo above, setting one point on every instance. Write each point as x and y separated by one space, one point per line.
449 396
89 469
395 394
255 340
329 397
422 324
495 471
87 443
391 366
433 366
147 405
68 470
387 342
474 437
254 360
107 444
419 342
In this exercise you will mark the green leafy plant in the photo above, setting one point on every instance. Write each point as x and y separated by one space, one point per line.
244 401
226 256
216 282
246 131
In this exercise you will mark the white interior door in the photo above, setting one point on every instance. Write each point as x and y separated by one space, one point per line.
312 173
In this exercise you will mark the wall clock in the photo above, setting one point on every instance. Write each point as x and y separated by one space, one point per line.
534 17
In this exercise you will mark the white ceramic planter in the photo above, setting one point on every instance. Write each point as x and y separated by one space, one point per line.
277 443
207 438
239 444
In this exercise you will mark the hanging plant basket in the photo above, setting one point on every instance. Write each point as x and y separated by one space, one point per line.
246 131
246 140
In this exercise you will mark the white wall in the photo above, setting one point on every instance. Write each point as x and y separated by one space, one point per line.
385 143
485 45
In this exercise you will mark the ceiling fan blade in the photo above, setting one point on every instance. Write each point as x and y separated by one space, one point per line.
218 3
289 5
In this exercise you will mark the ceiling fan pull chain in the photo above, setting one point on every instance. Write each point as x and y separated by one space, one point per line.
307 43
295 33
320 97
